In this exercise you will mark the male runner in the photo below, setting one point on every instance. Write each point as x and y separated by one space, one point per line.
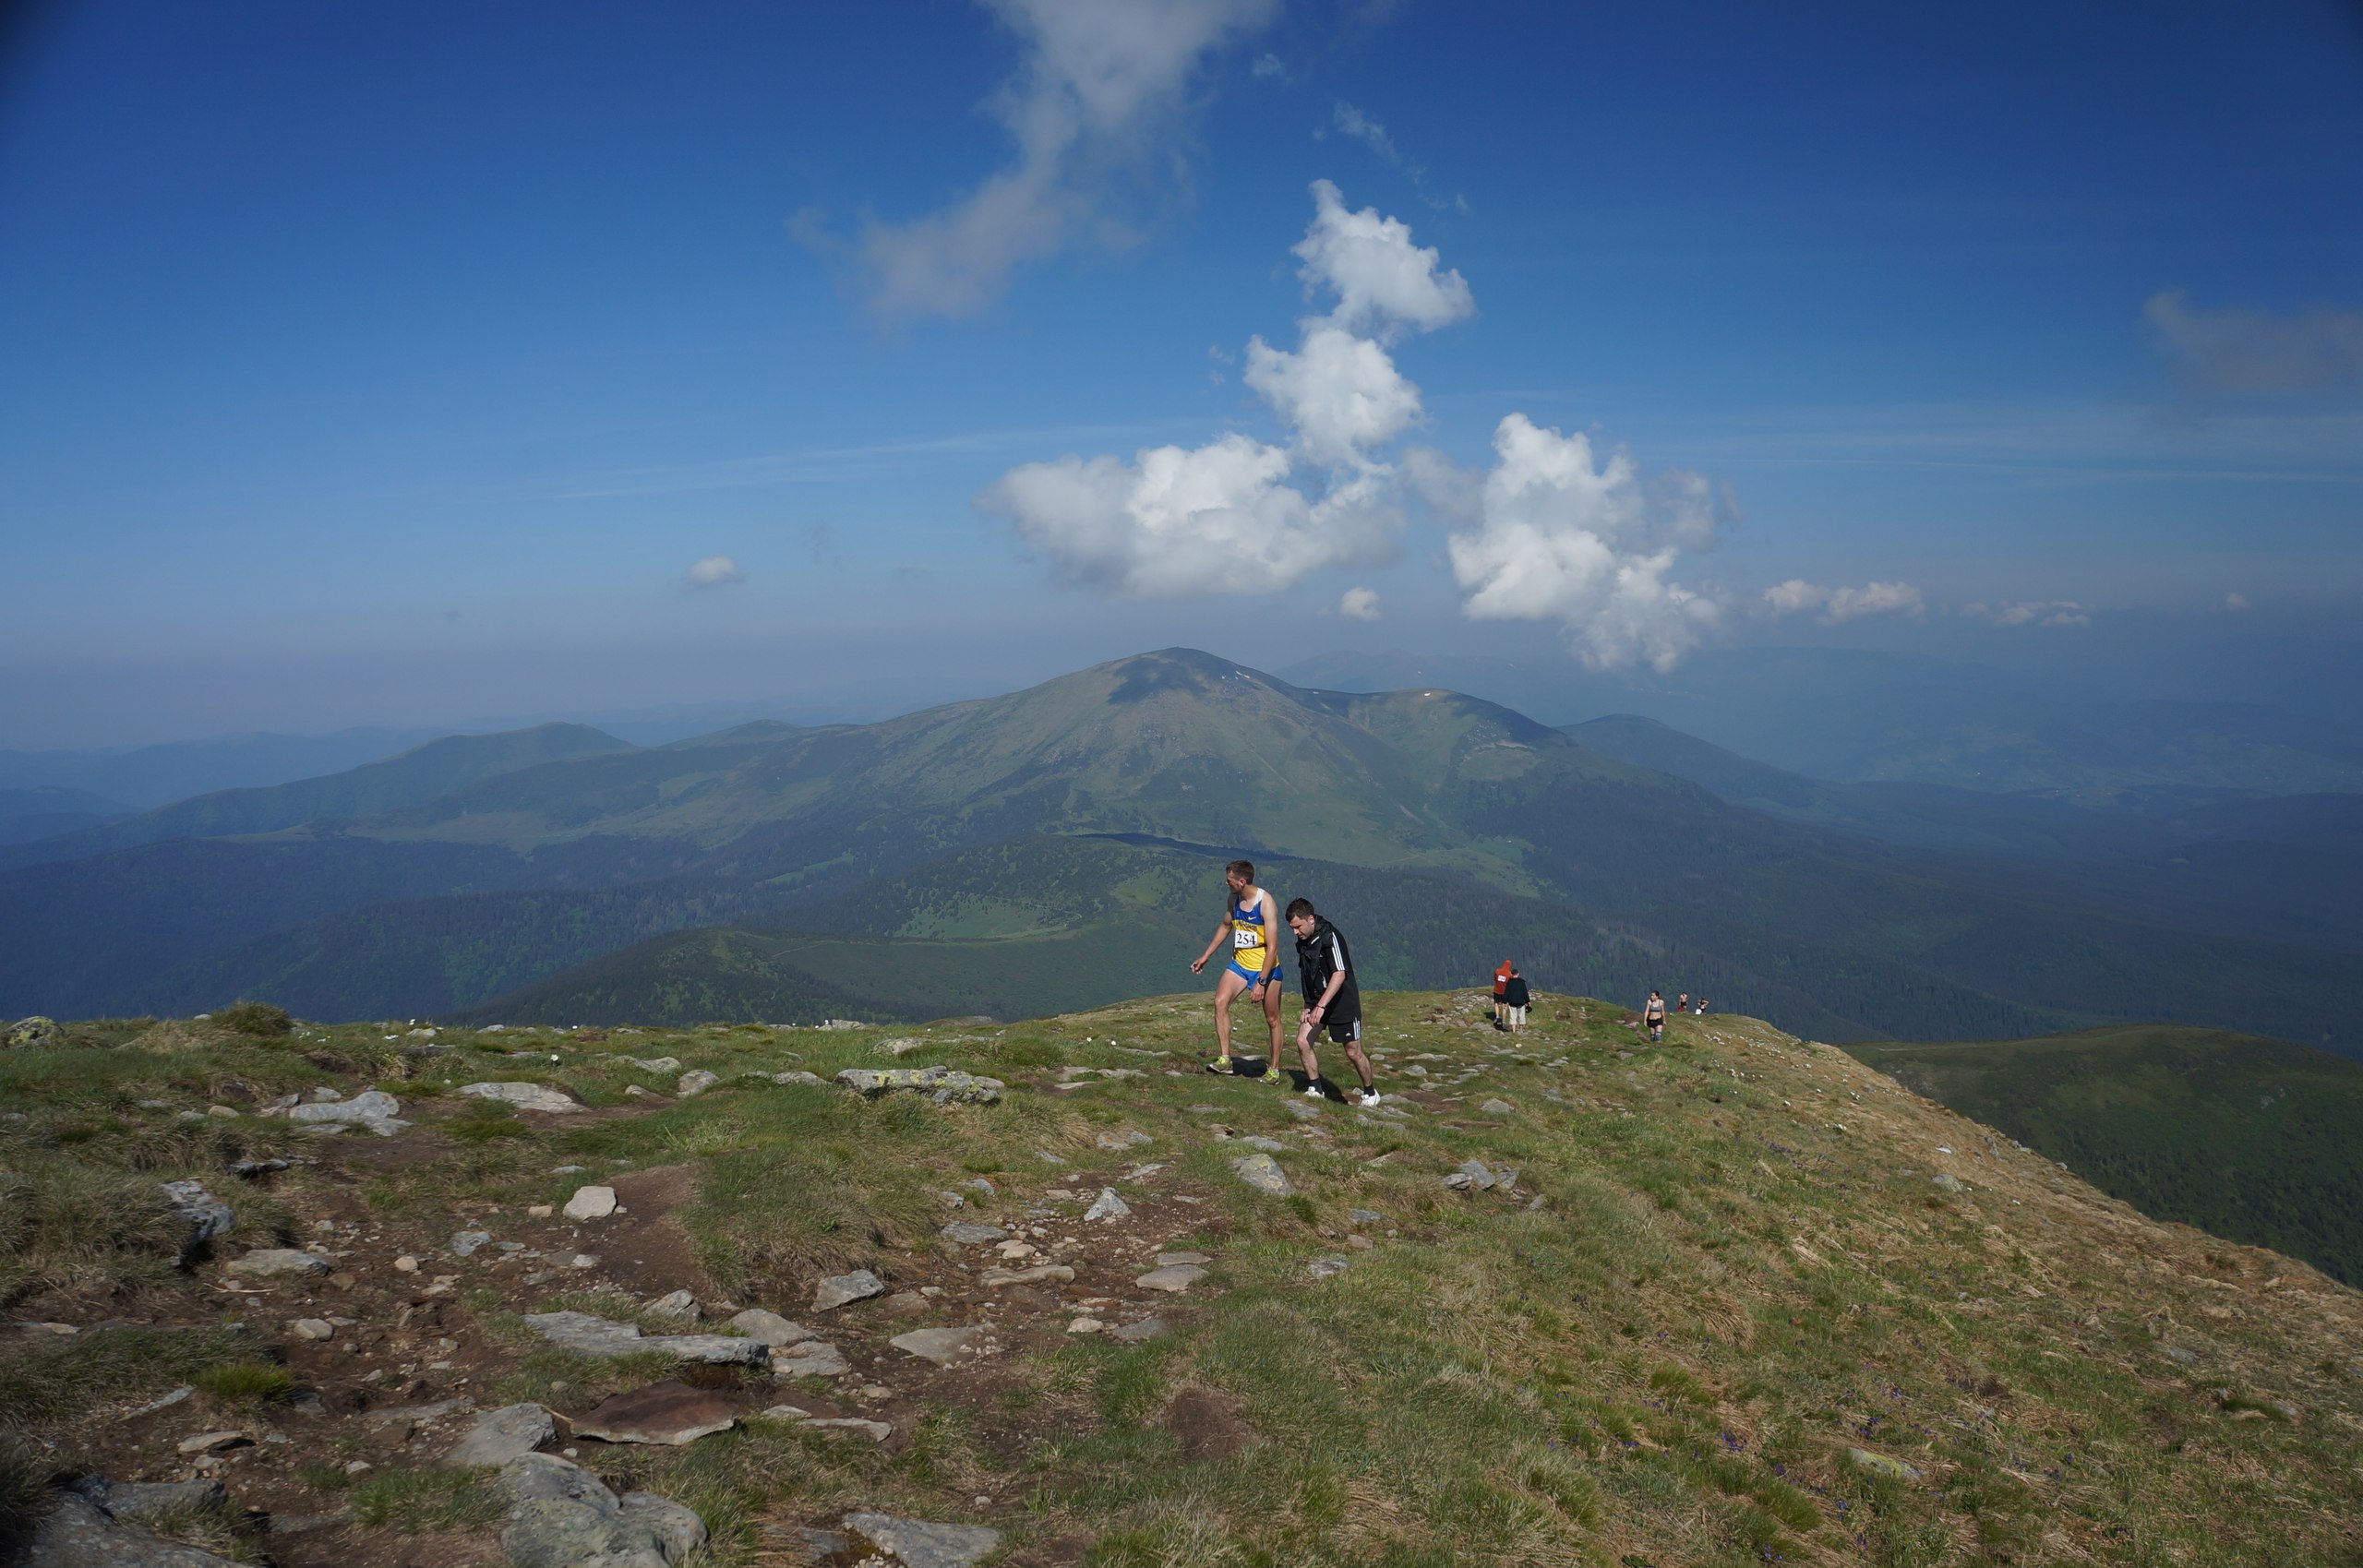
1250 922
1333 1001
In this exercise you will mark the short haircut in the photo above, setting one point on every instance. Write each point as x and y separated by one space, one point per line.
1301 906
1242 867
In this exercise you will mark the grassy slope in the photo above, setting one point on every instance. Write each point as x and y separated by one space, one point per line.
1733 1271
2250 1138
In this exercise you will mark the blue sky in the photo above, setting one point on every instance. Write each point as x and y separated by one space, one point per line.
398 364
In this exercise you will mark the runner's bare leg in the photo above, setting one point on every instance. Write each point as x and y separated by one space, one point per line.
1226 989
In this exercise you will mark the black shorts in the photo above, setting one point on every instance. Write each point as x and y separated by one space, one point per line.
1344 1031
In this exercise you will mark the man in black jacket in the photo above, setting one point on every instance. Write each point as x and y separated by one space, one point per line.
1331 1000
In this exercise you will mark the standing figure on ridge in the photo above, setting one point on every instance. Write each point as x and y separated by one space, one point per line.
1516 996
1501 983
1653 1016
1333 998
1251 922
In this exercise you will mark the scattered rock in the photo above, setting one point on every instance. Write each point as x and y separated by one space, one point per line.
1946 1182
1085 1325
655 1064
944 1085
636 1091
79 1532
145 1499
1303 1112
697 1080
501 1435
468 1243
33 1034
1365 1216
313 1328
917 1544
2185 1358
876 1431
967 1234
838 1289
808 1359
674 1304
1054 1274
1263 1173
376 1110
1048 1159
899 1044
944 1346
588 1336
979 1184
590 1203
214 1441
1269 1145
1110 1206
1322 1268
770 1328
1174 1277
275 1263
1880 1465
666 1414
1128 1138
1498 1107
785 1078
1473 1174
206 1216
524 1096
1182 1260
1134 1333
560 1516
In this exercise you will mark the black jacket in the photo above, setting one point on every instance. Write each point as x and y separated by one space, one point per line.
1321 956
1516 994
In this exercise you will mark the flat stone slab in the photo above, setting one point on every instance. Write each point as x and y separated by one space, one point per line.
501 1435
587 1335
524 1096
1262 1172
590 1203
770 1328
468 1243
808 1359
1177 1277
560 1516
375 1109
1880 1465
696 1081
666 1414
1269 1145
655 1063
1134 1333
1040 1273
840 1289
1129 1137
944 1085
276 1263
968 1235
944 1346
676 1304
1323 1268
917 1544
1182 1260
876 1431
79 1532
1107 1206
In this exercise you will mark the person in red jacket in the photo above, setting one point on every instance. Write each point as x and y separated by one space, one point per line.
1501 983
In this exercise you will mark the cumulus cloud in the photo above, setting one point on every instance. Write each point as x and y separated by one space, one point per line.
1836 604
1551 533
1359 604
2034 612
1270 67
1243 516
1098 102
1384 283
712 573
1218 518
2257 353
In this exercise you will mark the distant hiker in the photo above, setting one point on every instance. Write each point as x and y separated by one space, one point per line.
1653 1016
1516 999
1332 999
1702 1007
1501 983
1682 1002
1251 920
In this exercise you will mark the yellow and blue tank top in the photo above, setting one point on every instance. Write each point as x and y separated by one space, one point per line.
1249 940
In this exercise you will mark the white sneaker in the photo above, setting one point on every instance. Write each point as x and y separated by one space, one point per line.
1313 1092
1372 1096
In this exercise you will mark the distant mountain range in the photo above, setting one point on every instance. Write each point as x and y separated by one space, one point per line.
968 857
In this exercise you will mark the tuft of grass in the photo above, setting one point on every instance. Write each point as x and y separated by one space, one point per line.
25 1496
247 1382
50 1382
257 1018
413 1501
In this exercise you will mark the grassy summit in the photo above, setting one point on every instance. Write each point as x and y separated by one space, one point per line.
1744 1299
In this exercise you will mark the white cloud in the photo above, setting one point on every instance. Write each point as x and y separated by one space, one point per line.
1836 604
1099 99
2255 353
1270 67
1340 393
2034 612
1218 518
1546 534
1225 518
714 572
1383 280
1359 605
1351 121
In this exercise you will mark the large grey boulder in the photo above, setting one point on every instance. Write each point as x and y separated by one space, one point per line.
944 1085
917 1544
840 1289
588 1336
561 1515
375 1110
144 1499
501 1435
35 1033
524 1096
1263 1173
79 1532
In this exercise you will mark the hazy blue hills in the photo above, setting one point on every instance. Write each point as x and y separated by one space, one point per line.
520 869
2252 1139
47 810
424 773
1855 716
145 776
